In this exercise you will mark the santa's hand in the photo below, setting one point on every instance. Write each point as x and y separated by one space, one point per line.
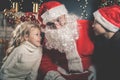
54 75
92 76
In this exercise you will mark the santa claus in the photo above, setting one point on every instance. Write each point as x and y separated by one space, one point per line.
67 50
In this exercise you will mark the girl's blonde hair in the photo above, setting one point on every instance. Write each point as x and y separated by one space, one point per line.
18 35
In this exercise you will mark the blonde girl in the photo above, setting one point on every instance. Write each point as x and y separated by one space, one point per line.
23 54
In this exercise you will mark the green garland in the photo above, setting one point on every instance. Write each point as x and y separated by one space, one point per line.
103 3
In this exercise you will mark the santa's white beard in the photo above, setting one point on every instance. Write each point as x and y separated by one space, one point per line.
63 40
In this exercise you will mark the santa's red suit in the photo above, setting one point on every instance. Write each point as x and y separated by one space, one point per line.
53 59
67 51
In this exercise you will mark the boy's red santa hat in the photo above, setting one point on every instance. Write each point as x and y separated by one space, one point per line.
109 17
51 10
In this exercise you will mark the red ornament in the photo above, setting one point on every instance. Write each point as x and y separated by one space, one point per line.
33 18
22 18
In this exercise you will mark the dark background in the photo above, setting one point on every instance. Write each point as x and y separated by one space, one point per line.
73 6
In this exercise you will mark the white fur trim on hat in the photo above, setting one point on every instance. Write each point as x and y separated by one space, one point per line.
54 13
108 25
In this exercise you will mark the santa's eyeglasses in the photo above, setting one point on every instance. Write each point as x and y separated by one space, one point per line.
51 25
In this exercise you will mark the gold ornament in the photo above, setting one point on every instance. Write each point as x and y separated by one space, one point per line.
35 7
15 6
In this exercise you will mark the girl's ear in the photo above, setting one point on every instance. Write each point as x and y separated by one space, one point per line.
26 37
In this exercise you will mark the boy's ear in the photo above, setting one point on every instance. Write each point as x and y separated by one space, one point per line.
26 37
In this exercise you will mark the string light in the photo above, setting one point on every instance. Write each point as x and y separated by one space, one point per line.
108 2
84 9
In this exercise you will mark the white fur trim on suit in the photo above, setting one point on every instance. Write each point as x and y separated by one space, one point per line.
105 22
54 13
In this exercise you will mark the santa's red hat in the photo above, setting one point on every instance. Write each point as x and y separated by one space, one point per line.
109 17
51 10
